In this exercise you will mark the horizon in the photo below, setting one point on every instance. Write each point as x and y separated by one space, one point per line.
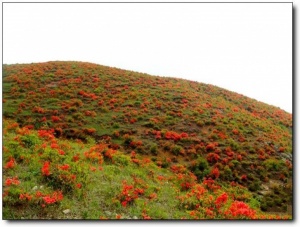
152 75
251 44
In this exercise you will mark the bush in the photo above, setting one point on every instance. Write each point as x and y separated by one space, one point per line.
30 140
153 149
176 149
255 186
273 164
121 159
167 146
226 174
200 168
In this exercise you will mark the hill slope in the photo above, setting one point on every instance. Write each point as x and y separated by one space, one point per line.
185 128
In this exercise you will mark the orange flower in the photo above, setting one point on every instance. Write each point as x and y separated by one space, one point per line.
10 181
10 164
45 169
64 167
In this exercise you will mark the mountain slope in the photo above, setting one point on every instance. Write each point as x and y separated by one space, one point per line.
214 133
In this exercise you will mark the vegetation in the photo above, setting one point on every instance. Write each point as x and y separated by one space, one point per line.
84 141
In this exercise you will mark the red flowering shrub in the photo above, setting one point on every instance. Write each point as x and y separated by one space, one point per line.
48 134
240 210
129 194
170 135
65 167
10 164
46 169
56 196
212 157
215 172
25 196
12 181
210 147
55 119
222 199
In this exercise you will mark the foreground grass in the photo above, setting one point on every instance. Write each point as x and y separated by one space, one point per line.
49 178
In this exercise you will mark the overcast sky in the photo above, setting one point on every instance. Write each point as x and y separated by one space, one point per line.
246 48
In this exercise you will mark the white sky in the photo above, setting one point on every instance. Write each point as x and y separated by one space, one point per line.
246 48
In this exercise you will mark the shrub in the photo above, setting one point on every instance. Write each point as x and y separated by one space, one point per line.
121 159
226 174
273 164
200 168
255 186
153 149
30 140
176 149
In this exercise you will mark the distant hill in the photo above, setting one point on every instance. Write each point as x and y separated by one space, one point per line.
190 133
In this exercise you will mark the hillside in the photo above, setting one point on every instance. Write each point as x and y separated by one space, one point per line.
110 143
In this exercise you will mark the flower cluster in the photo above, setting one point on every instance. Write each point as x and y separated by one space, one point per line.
129 194
10 164
55 197
12 181
46 169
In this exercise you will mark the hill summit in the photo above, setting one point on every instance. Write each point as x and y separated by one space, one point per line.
87 141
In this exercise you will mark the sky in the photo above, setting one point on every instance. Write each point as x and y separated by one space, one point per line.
245 48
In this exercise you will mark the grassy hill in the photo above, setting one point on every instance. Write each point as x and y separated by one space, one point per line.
82 140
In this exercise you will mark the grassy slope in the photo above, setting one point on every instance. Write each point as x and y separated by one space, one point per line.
210 131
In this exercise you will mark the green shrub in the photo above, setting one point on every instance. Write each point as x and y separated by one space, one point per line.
273 164
153 149
255 186
121 159
200 168
226 174
30 140
176 149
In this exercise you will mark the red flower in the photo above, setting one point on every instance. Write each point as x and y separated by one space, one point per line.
49 199
132 154
25 196
76 158
209 212
64 167
38 194
244 177
215 172
55 119
139 191
153 196
222 199
45 169
55 197
46 134
210 146
239 157
54 145
240 209
93 169
10 181
281 149
135 160
235 131
10 164
184 135
43 119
